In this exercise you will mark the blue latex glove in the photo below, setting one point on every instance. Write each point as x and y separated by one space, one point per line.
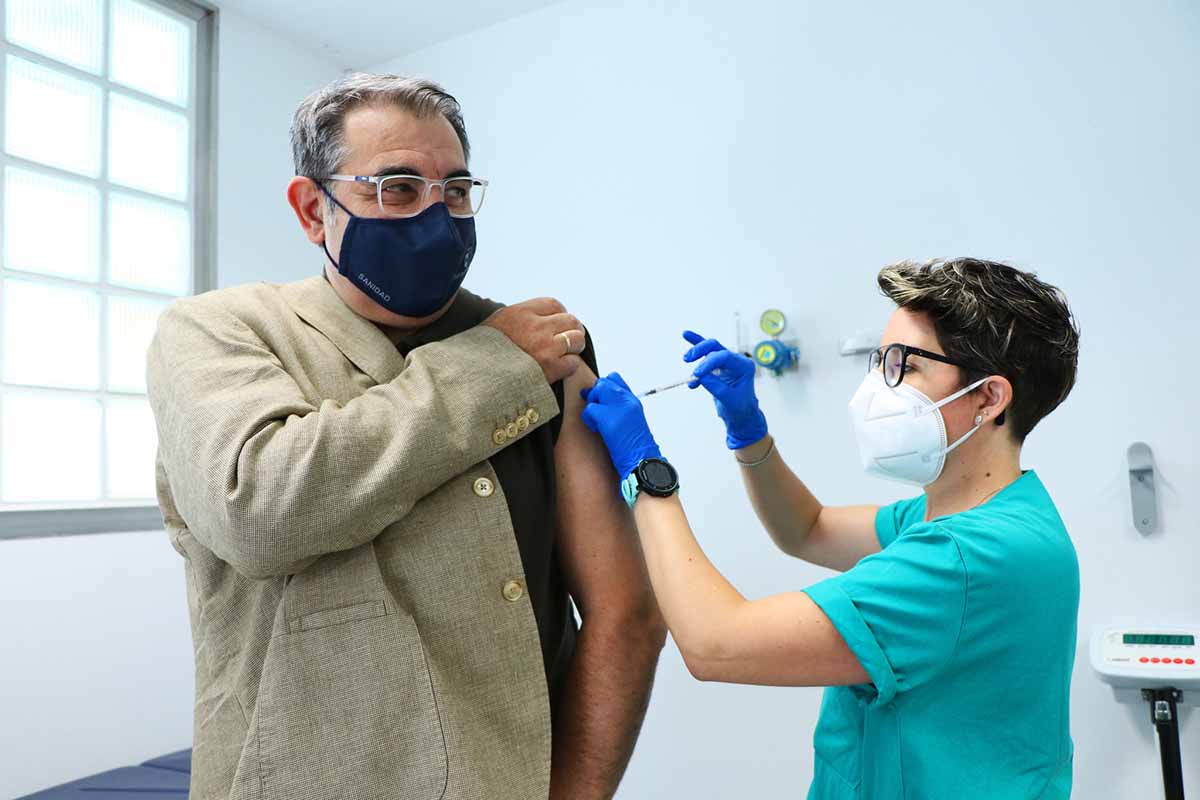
732 389
614 412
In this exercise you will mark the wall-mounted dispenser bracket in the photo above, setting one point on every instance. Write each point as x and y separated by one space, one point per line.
1141 487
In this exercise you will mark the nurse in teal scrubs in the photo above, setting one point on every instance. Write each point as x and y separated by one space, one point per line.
948 637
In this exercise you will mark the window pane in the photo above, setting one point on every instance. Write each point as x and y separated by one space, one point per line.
152 51
52 118
51 448
68 30
149 244
132 443
51 225
147 147
131 322
51 335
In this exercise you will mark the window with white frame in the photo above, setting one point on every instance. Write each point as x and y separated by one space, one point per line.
105 106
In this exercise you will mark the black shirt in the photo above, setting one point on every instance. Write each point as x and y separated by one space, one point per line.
526 472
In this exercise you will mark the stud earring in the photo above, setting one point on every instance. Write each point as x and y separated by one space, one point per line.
979 419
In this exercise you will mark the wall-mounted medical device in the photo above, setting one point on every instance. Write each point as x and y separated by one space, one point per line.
1143 499
1158 664
774 353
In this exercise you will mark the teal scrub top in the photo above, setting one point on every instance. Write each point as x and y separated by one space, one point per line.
966 626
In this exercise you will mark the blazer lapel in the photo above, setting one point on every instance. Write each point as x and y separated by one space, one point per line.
364 344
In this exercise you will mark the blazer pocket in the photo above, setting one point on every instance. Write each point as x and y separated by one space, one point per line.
346 708
336 616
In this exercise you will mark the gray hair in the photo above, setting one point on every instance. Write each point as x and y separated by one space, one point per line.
318 150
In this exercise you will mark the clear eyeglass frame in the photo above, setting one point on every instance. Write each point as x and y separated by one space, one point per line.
475 189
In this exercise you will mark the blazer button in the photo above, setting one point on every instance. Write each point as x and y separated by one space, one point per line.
533 416
484 487
522 423
513 591
499 437
511 430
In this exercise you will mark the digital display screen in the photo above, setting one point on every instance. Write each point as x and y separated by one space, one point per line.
1159 638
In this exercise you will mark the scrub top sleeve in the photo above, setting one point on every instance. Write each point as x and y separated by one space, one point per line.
894 519
900 611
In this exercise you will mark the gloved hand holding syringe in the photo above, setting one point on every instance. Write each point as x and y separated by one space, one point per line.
729 378
691 378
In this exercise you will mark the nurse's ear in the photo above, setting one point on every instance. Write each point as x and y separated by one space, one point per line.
994 398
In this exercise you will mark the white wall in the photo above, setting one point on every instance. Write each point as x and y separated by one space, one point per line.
263 79
661 165
96 666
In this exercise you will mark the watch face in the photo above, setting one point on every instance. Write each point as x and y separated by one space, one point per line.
658 474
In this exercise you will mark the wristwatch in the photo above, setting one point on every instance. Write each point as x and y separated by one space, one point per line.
654 476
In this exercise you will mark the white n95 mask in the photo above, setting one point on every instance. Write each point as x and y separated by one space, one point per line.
901 433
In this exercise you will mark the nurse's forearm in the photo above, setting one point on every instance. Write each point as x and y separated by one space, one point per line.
695 599
782 640
784 505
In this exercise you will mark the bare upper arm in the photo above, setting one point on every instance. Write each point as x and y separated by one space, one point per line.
598 546
783 640
841 537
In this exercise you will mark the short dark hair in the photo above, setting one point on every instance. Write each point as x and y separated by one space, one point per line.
1001 318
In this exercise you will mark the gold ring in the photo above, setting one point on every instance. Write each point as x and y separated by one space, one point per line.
566 343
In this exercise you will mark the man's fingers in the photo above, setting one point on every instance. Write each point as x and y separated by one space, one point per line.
546 306
564 321
565 367
575 341
543 329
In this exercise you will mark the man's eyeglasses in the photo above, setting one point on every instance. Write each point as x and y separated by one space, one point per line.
405 195
894 360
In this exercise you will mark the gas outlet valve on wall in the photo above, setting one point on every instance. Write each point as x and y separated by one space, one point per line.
773 354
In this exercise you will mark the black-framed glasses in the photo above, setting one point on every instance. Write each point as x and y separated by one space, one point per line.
893 359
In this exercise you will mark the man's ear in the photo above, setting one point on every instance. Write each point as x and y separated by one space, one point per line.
308 201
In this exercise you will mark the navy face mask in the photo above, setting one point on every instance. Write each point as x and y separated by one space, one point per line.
411 266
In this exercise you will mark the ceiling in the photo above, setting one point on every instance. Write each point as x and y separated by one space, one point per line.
365 33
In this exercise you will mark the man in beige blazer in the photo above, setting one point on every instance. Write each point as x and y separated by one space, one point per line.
386 510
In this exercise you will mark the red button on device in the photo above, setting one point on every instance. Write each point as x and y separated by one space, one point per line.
1144 660
1179 661
1190 661
1154 660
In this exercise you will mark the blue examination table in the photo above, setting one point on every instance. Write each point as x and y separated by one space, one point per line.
162 778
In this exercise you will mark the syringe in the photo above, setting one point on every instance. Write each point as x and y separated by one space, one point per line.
687 380
659 389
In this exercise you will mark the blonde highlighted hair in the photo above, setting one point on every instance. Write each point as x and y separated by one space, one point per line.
1001 318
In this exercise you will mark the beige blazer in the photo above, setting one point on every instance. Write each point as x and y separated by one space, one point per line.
357 605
